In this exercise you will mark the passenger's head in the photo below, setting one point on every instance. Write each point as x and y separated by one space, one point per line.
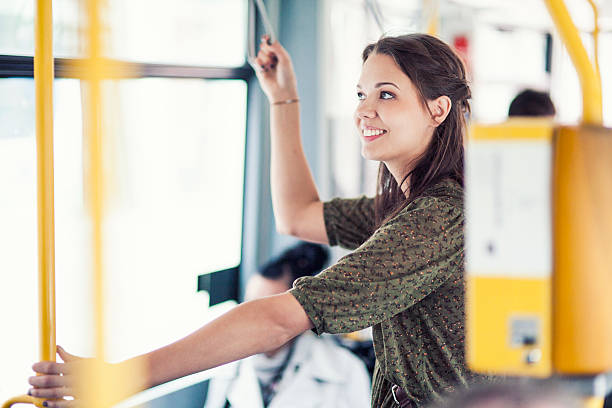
413 100
277 275
512 395
532 103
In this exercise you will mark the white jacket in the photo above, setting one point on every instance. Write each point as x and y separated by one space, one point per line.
319 374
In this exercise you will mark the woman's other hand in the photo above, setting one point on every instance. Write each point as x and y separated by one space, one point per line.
56 380
275 71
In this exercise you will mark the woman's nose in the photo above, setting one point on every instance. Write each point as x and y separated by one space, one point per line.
366 111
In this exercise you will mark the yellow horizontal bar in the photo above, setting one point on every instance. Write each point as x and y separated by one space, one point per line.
514 129
106 68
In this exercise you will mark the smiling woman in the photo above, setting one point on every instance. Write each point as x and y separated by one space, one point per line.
405 276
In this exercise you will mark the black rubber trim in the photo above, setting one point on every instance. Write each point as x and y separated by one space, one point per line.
17 66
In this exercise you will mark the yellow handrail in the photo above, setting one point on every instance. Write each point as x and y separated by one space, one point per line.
95 173
96 382
43 82
589 80
24 399
595 38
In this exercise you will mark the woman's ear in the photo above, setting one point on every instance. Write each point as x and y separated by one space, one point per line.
439 108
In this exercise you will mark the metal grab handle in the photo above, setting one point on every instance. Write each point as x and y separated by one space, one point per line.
259 6
24 399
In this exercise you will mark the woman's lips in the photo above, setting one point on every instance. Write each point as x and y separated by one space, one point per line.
374 137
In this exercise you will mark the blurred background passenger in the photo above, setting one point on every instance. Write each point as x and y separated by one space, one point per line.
513 394
532 103
309 371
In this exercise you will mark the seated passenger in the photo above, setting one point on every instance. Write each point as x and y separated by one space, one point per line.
532 103
306 372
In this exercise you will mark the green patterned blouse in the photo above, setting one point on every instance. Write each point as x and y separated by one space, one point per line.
406 281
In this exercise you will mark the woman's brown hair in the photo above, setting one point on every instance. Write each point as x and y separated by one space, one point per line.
435 70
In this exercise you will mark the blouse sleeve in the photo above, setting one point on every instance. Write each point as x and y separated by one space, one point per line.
404 261
349 222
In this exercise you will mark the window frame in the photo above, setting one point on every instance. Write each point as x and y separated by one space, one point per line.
19 66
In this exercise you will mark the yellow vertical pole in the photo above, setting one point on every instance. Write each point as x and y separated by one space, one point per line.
43 80
595 38
589 80
43 84
100 384
103 384
97 392
95 174
433 16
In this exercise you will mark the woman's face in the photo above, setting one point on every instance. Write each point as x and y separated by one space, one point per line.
393 124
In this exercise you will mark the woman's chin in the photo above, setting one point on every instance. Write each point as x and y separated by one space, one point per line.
369 154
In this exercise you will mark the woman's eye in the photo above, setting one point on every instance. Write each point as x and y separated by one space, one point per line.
360 96
386 95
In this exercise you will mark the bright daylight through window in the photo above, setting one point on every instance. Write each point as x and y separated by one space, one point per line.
170 216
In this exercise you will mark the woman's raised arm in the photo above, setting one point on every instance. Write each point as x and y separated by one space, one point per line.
298 211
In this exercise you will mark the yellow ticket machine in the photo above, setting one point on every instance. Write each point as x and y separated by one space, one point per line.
539 240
